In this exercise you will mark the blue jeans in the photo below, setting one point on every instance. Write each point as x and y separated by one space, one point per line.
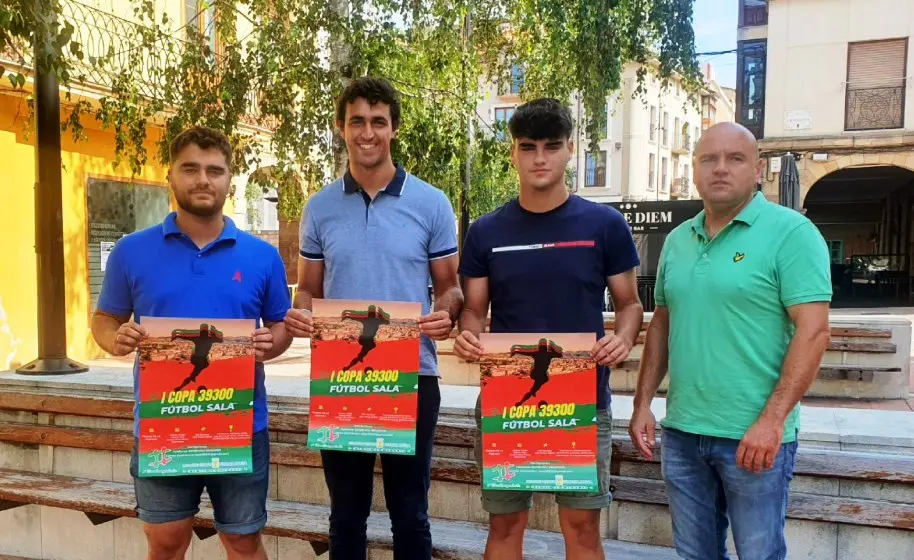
350 477
239 500
706 489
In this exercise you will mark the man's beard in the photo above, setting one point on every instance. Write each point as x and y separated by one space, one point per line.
201 212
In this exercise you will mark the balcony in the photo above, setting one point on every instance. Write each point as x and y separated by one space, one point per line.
681 188
875 108
682 145
119 52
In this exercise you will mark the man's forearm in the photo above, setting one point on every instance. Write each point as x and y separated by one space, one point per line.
302 299
281 341
654 359
801 365
104 330
451 301
628 322
472 321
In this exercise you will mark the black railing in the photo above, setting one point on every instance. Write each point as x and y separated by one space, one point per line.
875 108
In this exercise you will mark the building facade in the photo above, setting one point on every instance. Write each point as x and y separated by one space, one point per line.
645 153
829 82
101 201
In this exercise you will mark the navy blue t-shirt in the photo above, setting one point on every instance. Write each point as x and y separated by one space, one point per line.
548 271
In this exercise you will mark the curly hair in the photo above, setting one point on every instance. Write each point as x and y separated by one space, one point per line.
203 137
373 90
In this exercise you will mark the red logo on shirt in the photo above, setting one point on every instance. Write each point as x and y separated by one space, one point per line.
237 276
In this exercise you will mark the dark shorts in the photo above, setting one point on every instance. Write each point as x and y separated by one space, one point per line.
239 500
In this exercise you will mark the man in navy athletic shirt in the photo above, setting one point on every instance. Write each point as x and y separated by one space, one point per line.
544 261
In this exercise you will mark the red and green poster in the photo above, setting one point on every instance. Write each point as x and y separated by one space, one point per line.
195 397
364 376
539 409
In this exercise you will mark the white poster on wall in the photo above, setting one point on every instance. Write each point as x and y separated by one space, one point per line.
798 120
105 248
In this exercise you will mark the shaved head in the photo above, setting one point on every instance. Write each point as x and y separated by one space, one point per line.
727 167
729 130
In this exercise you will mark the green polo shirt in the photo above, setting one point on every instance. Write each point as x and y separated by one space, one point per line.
729 328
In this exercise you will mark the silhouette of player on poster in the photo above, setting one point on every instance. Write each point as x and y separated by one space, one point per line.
203 342
542 355
371 320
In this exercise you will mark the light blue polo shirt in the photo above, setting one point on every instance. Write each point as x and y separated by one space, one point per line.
380 249
160 272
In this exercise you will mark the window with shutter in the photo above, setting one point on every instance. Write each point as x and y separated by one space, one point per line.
875 84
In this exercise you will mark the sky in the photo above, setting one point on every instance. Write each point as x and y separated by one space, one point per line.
715 23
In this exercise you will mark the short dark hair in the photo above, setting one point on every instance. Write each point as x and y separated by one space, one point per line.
541 119
373 90
205 138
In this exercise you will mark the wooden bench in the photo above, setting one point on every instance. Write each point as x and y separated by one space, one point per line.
845 465
452 540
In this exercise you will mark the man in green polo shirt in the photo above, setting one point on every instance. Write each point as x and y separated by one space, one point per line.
741 322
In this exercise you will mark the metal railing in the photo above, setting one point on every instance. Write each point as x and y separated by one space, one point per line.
115 48
680 187
682 143
875 108
112 48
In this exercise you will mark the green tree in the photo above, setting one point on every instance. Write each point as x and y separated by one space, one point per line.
272 89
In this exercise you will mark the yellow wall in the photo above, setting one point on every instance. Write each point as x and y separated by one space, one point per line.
18 282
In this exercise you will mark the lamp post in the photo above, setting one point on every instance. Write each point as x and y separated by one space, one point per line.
52 312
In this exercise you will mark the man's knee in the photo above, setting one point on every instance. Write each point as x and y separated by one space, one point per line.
507 526
243 545
168 541
581 526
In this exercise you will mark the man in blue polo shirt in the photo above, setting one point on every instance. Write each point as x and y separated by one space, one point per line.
544 260
380 233
198 264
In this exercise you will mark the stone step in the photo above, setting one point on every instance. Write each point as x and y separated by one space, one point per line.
104 502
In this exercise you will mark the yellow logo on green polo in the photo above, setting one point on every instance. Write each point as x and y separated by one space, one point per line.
738 257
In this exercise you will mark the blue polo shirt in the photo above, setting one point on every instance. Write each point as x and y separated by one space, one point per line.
380 249
160 272
547 272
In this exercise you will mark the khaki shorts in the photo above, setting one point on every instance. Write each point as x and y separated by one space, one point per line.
500 502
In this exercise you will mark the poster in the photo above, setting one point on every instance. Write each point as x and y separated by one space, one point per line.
364 376
104 251
196 397
539 412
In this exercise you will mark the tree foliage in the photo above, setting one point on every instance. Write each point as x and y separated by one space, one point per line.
277 66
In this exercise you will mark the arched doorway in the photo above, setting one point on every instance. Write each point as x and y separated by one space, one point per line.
865 215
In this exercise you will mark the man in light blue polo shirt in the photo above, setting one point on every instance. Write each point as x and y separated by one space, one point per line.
380 233
743 292
198 264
